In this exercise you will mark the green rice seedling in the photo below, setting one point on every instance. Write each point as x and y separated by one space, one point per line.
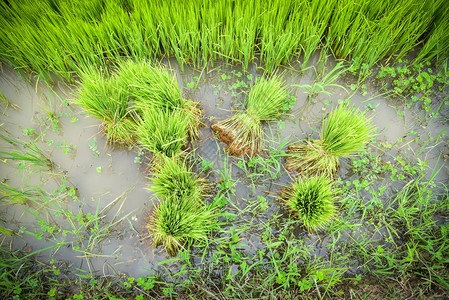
176 221
319 86
243 132
8 103
344 131
162 132
153 86
172 178
311 200
437 43
278 39
13 195
32 153
106 98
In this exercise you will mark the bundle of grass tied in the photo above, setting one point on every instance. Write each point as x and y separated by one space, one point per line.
177 221
152 86
181 216
311 200
243 132
105 97
173 178
162 132
346 130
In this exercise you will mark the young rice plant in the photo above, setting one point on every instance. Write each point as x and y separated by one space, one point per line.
243 132
177 220
172 178
344 131
311 200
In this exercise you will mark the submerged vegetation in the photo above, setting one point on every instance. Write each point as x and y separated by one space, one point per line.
378 229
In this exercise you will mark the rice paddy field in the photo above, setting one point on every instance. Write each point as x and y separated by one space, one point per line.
224 149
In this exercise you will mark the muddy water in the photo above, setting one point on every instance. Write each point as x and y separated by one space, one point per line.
114 173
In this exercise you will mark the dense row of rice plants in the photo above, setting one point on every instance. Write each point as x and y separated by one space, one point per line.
65 37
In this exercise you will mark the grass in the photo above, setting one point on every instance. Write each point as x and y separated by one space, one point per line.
162 132
267 100
44 39
177 220
13 195
346 130
311 200
106 98
32 154
390 239
173 179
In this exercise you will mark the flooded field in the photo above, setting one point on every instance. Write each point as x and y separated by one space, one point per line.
89 207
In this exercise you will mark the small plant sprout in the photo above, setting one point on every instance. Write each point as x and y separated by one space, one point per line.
243 132
153 86
311 200
162 132
173 178
320 85
106 98
176 221
344 131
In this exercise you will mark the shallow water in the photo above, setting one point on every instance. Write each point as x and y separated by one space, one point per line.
115 172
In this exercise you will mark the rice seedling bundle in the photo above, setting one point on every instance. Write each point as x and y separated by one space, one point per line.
162 132
153 87
311 200
344 131
106 98
173 179
181 216
243 132
176 221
